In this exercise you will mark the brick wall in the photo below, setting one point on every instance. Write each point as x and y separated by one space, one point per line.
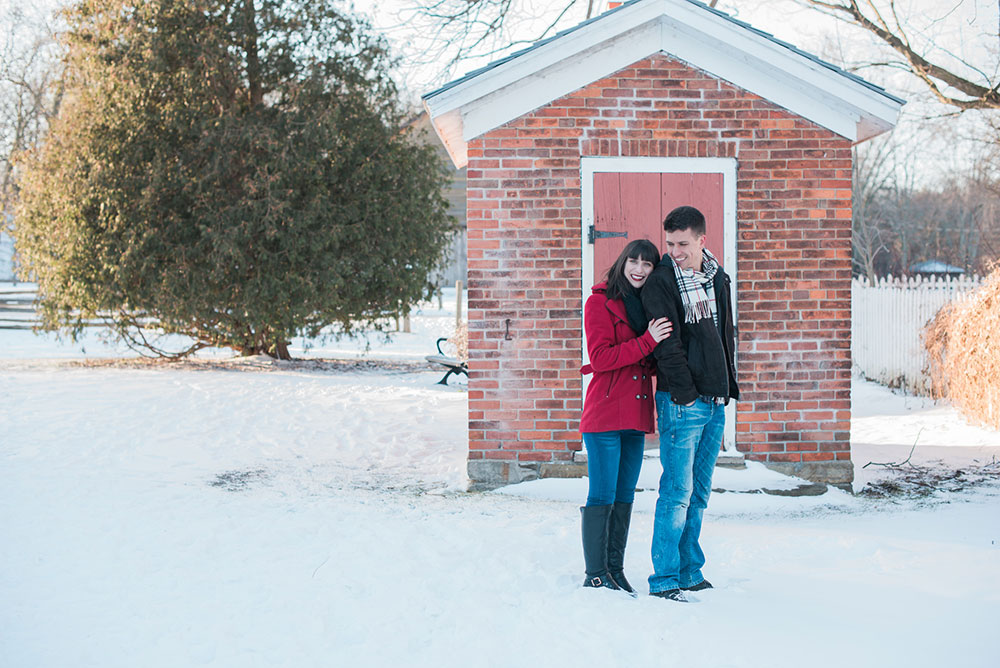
793 249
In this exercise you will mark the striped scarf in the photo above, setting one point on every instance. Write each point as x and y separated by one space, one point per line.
696 288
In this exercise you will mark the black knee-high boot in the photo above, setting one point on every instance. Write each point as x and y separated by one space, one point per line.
618 523
595 546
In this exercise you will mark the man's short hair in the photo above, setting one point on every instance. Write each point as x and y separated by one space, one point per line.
685 218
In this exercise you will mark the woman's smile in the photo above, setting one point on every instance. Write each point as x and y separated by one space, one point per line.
637 271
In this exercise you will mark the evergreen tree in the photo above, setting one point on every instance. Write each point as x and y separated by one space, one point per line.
232 170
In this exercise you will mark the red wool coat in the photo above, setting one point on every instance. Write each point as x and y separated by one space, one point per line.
620 395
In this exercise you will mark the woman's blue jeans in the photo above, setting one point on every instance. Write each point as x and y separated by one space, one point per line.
690 440
613 462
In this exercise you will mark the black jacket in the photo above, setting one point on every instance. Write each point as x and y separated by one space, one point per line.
694 360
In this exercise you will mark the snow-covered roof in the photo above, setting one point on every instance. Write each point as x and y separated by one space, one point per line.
705 37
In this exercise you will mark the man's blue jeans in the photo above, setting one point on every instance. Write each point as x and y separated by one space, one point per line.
690 440
613 462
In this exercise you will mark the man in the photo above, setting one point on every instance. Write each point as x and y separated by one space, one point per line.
695 379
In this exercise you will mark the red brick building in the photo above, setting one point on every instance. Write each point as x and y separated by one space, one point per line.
599 132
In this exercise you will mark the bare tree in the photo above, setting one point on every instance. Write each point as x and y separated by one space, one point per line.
953 50
962 226
898 222
453 31
873 176
954 79
29 98
30 90
984 185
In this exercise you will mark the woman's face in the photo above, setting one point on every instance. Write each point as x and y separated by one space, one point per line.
637 271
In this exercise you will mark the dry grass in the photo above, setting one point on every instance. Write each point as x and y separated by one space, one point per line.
963 344
460 339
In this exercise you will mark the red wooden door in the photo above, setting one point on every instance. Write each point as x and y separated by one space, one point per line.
624 203
637 203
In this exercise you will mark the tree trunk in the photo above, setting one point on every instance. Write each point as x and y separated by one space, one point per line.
279 350
253 60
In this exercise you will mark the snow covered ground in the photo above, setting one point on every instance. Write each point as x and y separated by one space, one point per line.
241 513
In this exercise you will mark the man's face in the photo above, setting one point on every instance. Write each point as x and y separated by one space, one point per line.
685 247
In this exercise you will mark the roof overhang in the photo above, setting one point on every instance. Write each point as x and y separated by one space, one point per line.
684 29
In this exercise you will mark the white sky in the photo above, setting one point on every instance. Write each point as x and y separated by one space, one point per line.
950 29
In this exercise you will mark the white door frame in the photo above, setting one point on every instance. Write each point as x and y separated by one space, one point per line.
725 166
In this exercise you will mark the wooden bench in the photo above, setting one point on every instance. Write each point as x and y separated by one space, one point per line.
453 364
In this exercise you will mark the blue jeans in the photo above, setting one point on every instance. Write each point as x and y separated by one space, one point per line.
613 462
690 440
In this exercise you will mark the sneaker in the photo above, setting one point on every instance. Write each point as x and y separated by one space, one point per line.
704 584
671 594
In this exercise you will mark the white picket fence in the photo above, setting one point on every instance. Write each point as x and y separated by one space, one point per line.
887 322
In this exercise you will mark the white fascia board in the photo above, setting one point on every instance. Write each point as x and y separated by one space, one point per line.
448 128
564 77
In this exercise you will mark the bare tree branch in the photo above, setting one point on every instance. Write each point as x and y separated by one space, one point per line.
461 30
937 77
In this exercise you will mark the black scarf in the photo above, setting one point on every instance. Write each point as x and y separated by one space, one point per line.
633 309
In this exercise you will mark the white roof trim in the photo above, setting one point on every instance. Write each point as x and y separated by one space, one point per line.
680 29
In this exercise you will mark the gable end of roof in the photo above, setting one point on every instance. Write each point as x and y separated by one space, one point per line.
688 30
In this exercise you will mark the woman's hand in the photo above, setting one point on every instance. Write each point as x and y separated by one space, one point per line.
660 328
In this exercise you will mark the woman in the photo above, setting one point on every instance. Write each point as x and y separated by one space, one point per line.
618 409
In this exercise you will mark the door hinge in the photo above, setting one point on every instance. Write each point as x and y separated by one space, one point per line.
593 235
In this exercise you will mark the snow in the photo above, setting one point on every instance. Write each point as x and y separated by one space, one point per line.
889 426
241 513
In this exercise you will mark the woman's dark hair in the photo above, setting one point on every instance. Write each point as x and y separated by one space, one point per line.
640 249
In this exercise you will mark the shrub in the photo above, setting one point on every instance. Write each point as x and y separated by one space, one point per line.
963 344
